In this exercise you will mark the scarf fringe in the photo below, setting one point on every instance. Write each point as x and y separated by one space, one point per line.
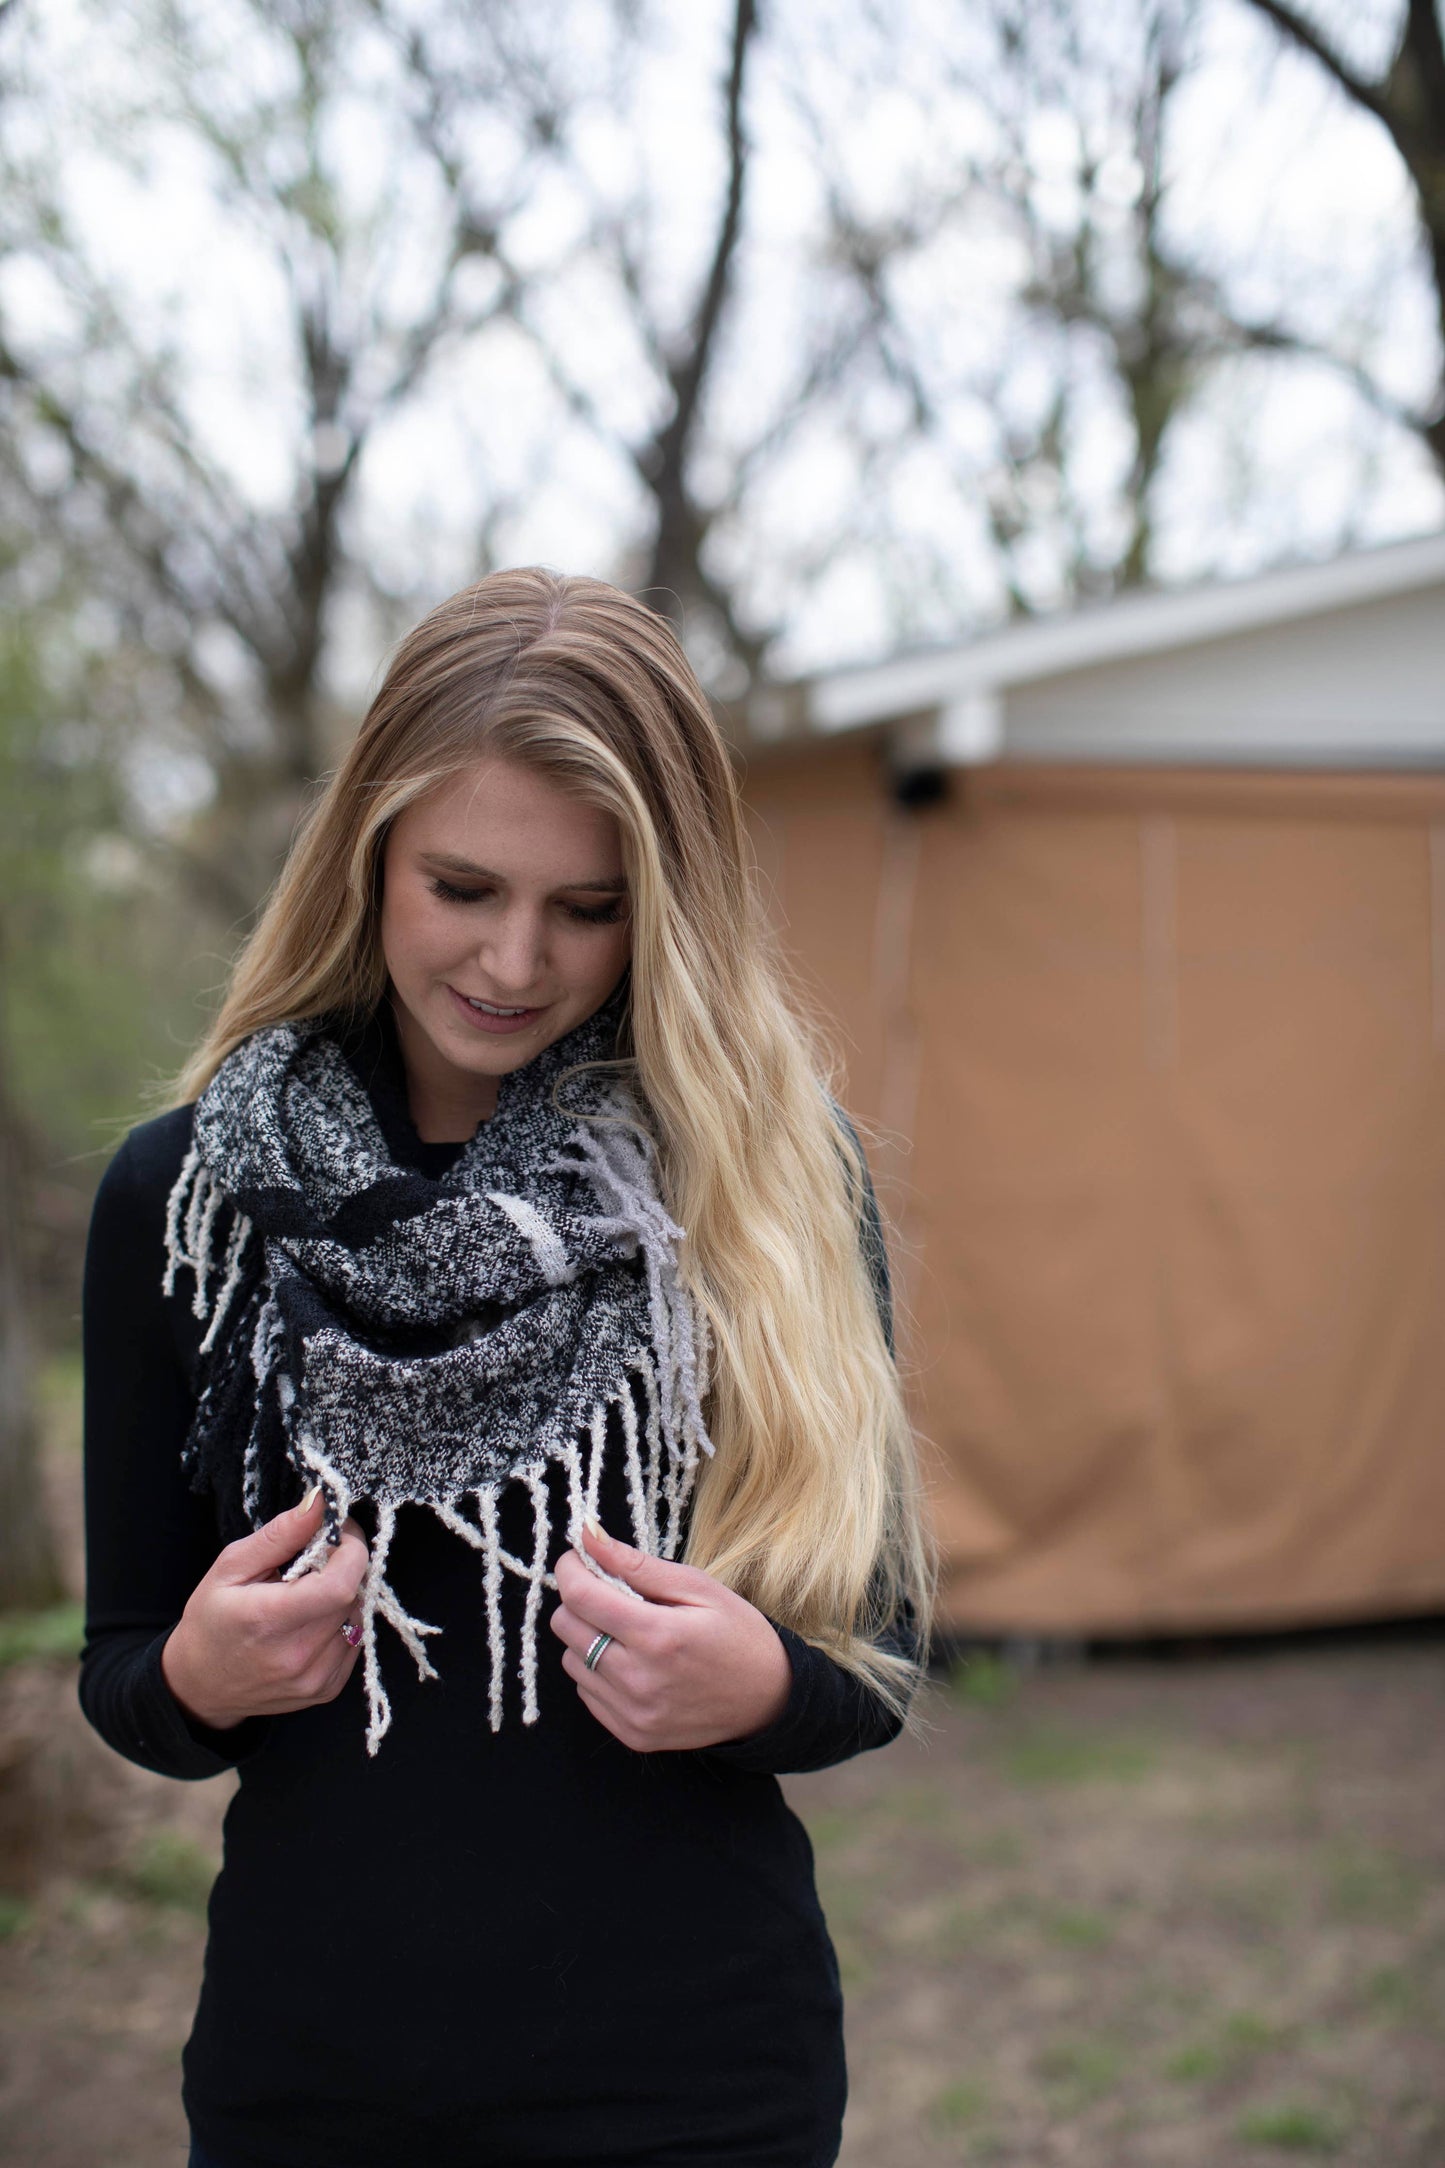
661 1452
192 1209
651 1531
618 1160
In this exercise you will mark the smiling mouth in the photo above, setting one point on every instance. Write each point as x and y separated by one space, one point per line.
493 1016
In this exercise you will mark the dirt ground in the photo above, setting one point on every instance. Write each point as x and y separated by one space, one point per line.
1175 1913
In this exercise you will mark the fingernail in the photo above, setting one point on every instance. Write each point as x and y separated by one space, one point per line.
311 1497
592 1525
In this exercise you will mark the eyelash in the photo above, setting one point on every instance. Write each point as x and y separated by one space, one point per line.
606 914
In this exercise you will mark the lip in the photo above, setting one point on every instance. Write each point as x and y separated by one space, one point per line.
494 1026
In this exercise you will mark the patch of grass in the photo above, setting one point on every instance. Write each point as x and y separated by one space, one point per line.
922 1806
27 1634
172 1869
1242 2036
1368 1884
1395 1996
964 1927
1202 2062
1076 1929
1050 1757
58 1392
983 1681
846 1905
829 1829
961 2105
15 1915
967 1926
1260 1902
1292 2126
1245 2032
996 1848
1083 2069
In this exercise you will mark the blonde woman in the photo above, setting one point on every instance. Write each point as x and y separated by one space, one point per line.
494 1450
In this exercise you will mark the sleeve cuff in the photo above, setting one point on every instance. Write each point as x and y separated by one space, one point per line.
795 1739
171 1739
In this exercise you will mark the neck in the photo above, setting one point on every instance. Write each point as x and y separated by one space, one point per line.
445 1104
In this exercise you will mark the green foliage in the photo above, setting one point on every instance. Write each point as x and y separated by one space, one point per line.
1237 2042
1199 2063
1082 2070
172 1869
1396 1995
1292 2127
1368 1884
98 984
15 1915
961 2105
1073 1928
983 1680
52 1633
1047 1757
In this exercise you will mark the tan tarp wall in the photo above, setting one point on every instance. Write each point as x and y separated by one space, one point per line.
1155 1063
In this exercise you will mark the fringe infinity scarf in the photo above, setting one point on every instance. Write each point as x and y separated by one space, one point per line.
403 1340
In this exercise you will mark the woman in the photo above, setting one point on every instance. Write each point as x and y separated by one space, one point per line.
504 1207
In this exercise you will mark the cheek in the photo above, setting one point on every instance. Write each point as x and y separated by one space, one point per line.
609 958
409 932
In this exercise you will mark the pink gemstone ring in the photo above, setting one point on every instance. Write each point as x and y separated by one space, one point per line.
350 1632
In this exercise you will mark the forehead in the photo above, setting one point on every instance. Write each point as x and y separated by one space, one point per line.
511 818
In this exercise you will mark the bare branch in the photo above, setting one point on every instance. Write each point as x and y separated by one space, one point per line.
1309 40
677 548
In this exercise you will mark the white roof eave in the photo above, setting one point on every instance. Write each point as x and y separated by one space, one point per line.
961 678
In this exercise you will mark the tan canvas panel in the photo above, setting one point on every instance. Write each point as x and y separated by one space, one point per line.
1158 1063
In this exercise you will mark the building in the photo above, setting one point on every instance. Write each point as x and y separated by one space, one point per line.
1132 925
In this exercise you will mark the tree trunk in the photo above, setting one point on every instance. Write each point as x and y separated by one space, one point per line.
29 1571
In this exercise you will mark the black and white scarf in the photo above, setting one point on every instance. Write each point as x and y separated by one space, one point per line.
402 1340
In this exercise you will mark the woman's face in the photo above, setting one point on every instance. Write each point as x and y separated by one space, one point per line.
504 923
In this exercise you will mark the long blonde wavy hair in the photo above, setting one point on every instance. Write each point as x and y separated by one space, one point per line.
810 1505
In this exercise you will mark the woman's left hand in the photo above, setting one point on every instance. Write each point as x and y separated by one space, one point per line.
689 1666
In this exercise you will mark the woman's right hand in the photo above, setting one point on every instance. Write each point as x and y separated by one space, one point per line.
249 1643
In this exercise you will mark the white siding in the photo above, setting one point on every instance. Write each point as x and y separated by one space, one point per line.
1357 686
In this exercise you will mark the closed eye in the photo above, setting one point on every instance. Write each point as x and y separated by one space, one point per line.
599 914
448 894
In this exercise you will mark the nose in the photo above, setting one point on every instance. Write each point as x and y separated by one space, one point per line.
513 952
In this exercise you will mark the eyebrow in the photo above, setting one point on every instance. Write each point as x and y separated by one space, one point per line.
611 885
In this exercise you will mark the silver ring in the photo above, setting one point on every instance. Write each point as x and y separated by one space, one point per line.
595 1654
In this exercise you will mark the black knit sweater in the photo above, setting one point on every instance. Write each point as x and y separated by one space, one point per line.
475 1949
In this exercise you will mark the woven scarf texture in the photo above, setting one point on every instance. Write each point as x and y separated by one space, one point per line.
403 1340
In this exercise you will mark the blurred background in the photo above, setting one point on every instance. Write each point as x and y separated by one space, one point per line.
1033 417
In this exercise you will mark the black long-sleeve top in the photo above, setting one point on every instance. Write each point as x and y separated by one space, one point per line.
476 1948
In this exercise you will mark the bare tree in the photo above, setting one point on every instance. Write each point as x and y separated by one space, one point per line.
978 473
1407 97
1101 320
232 597
29 1571
678 346
677 574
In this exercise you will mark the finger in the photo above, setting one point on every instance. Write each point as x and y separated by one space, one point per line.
259 1556
594 1689
328 1592
335 1675
659 1580
611 1710
575 1633
596 1604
